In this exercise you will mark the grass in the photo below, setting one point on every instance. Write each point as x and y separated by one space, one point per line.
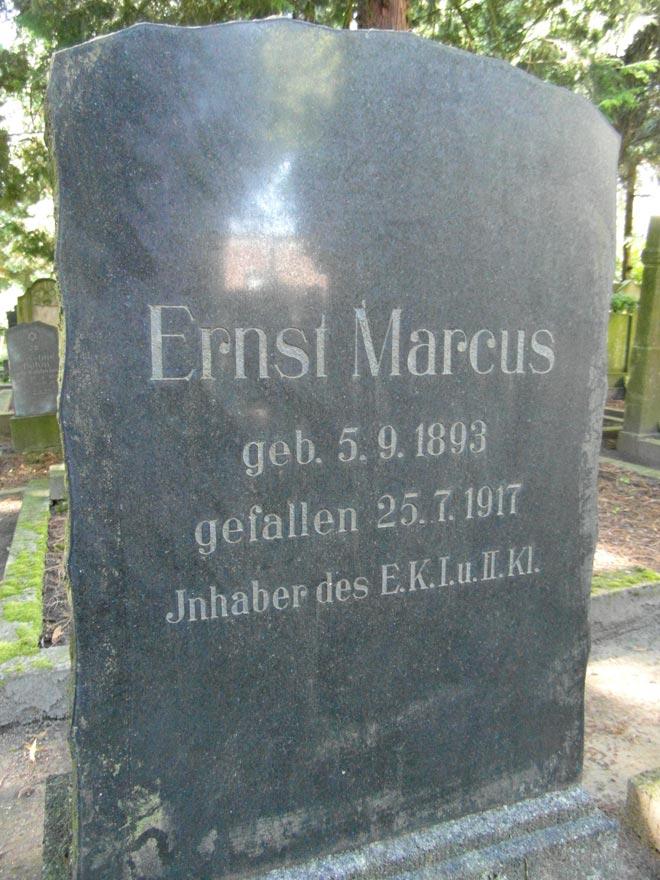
609 581
24 578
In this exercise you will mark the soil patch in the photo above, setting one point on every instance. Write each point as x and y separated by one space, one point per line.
27 756
17 469
57 613
628 519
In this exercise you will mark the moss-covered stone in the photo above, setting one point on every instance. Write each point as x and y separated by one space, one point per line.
35 433
21 589
640 438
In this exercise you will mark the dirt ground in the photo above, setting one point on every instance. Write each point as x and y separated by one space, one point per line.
628 519
17 469
57 613
28 755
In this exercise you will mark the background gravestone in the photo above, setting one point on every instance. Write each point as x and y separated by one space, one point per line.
33 367
40 302
33 370
640 438
336 308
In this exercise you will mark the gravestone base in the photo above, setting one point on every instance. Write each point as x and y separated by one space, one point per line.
559 836
640 448
35 433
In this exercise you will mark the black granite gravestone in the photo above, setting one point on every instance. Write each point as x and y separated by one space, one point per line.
335 312
33 367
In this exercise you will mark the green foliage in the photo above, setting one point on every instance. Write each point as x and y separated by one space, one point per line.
560 41
623 302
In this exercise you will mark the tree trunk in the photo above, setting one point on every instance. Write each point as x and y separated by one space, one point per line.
629 184
389 15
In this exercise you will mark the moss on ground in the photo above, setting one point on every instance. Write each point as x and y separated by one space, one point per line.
609 581
27 643
24 572
24 576
23 612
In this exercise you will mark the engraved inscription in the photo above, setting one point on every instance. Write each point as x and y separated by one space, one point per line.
184 350
242 353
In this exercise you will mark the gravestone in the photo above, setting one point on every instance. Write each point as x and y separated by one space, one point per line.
40 302
640 438
33 368
33 365
336 309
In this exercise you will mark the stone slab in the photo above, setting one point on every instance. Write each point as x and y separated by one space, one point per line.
643 806
644 449
36 687
615 458
57 482
560 836
33 367
332 400
23 576
34 683
620 611
35 433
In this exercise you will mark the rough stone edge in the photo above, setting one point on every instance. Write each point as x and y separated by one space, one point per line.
487 62
34 684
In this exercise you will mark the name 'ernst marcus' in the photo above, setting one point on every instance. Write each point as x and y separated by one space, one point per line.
208 353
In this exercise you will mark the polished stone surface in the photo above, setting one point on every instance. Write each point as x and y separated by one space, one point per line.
33 367
335 308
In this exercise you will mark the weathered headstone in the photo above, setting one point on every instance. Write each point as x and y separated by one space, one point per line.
40 302
33 367
336 307
640 437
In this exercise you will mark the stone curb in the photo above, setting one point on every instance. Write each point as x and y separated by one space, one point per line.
34 684
35 687
618 612
643 807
